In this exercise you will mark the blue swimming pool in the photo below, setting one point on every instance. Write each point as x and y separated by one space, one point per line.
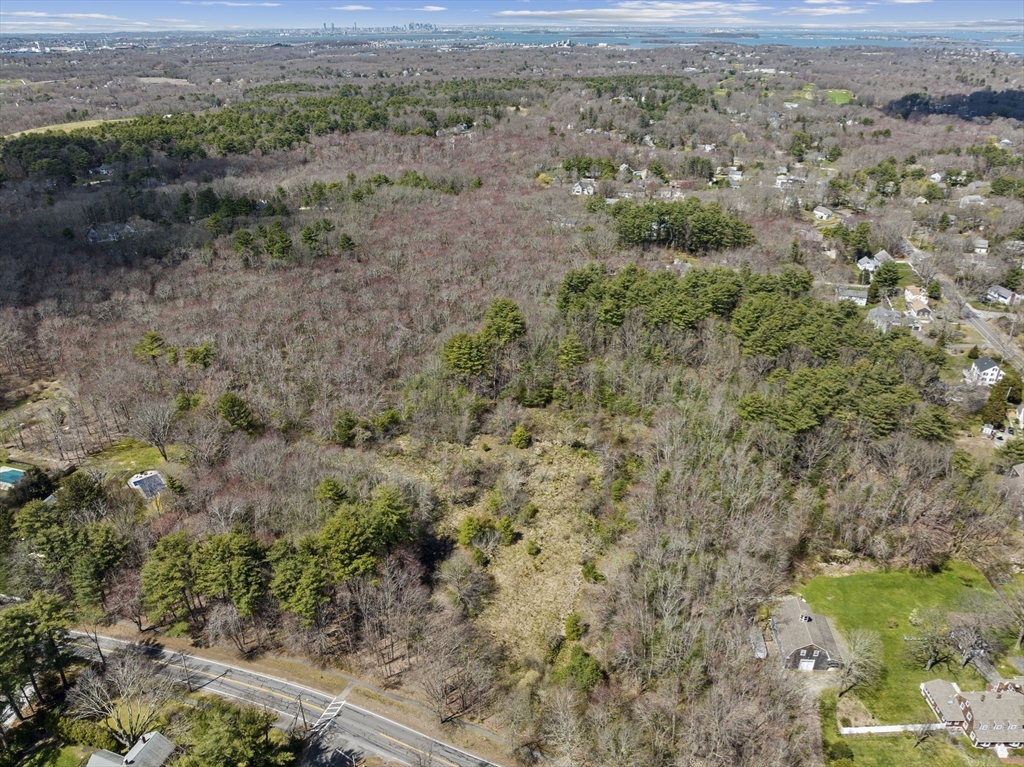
9 475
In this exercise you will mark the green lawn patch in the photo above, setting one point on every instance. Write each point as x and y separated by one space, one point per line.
882 602
126 458
56 756
940 750
907 275
840 96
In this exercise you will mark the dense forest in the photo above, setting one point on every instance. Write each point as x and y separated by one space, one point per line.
537 460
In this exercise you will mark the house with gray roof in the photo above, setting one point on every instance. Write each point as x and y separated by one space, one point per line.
857 294
997 294
870 263
883 319
984 371
152 750
990 718
804 639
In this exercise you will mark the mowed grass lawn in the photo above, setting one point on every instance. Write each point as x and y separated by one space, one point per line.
882 602
125 458
840 96
940 750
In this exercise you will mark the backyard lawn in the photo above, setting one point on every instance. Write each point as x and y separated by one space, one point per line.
882 602
125 458
907 275
940 750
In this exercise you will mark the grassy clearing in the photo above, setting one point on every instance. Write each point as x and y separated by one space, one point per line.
56 756
940 750
907 275
882 602
840 96
67 127
126 458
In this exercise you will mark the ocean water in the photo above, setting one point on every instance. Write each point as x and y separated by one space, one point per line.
1011 43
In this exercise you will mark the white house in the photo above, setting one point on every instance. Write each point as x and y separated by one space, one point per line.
984 372
822 213
980 246
583 187
915 292
935 178
918 309
997 294
971 199
869 264
858 295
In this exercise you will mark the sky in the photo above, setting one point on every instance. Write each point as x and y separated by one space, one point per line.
70 16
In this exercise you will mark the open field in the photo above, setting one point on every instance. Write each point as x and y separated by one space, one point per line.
882 602
840 96
67 127
125 458
163 80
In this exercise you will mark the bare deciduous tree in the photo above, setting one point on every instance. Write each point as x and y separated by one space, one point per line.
153 422
863 662
126 698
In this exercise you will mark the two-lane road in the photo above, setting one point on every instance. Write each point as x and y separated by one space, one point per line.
992 336
345 734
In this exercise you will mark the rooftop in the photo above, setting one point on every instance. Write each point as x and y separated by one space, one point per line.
797 626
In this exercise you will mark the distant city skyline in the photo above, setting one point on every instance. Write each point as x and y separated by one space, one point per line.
57 17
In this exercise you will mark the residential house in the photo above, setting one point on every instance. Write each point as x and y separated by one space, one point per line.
971 199
997 294
583 186
980 246
919 309
991 718
822 213
983 372
870 263
805 640
858 295
936 177
912 292
149 484
152 750
883 318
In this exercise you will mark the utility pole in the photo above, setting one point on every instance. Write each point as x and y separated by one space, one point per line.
188 676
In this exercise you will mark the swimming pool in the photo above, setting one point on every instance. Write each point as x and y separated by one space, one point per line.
9 476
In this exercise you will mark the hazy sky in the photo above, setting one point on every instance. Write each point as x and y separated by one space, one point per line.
57 16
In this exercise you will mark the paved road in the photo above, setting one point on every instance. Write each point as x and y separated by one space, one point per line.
994 337
345 732
356 733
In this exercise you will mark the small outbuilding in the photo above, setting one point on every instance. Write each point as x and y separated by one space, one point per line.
804 639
